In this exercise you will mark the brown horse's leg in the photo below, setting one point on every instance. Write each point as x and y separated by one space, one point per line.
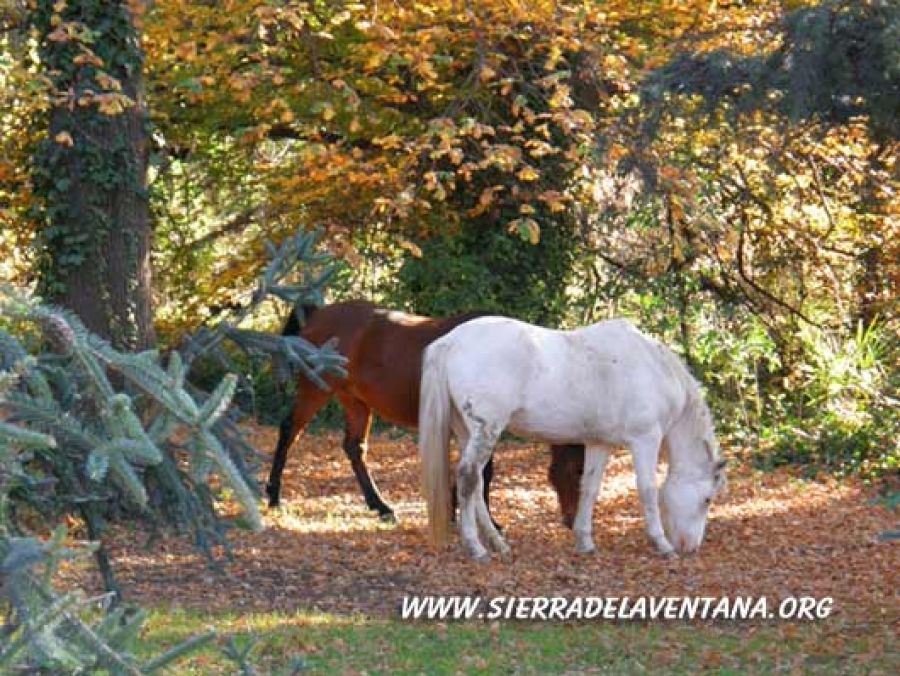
488 475
565 476
307 402
358 421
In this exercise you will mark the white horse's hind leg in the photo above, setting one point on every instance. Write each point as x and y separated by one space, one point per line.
595 459
489 531
645 454
473 510
467 486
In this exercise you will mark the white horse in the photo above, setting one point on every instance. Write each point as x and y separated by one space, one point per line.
604 385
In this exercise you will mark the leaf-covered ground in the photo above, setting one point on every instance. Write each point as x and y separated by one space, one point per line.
771 535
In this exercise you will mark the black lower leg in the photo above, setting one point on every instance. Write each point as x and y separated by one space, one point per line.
487 475
356 453
285 436
94 523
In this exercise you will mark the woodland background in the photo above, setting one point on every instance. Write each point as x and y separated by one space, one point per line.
723 173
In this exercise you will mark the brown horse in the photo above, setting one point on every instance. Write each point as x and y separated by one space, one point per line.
384 363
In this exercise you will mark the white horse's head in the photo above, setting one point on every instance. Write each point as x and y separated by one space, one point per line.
685 497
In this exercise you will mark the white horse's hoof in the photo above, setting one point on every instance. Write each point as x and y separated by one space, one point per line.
498 544
483 557
666 550
584 543
477 552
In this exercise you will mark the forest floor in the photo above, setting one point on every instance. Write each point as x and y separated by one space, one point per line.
324 554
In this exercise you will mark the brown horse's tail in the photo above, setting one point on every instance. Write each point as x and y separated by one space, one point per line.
293 324
434 440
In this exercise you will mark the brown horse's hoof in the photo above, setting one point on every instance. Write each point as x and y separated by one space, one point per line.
274 493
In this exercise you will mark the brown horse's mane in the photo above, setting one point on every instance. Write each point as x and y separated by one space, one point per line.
292 325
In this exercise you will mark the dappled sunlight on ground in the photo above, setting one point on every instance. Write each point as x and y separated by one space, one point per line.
771 534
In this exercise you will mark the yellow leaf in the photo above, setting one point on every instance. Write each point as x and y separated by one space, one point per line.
484 201
616 152
426 70
528 174
583 118
187 51
412 247
108 82
389 142
375 60
59 35
64 138
487 73
676 209
383 31
112 104
327 111
526 228
553 199
677 251
87 58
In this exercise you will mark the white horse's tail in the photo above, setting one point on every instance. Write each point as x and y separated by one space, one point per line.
434 441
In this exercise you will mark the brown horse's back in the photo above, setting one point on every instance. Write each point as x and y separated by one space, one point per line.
384 351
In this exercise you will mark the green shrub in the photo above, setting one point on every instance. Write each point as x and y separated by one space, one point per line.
842 413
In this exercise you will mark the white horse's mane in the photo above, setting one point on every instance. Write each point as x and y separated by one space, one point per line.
696 409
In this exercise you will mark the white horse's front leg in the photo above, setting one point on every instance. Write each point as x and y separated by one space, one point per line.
646 456
595 459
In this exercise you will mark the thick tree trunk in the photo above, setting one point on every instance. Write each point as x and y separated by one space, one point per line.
96 243
111 289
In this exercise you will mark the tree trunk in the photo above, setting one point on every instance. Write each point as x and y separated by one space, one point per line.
92 174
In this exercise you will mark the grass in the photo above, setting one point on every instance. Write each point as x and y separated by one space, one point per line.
346 645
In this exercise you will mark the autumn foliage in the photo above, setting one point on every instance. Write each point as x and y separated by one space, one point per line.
722 173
